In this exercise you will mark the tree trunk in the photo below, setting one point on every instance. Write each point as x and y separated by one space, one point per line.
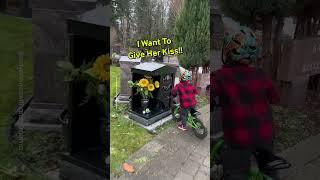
128 29
309 27
195 76
267 44
276 47
315 27
205 69
299 31
122 32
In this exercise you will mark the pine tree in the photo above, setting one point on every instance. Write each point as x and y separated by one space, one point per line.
192 34
121 19
174 9
143 14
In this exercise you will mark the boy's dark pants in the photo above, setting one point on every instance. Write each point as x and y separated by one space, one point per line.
237 164
184 114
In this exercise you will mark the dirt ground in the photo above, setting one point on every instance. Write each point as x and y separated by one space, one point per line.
292 125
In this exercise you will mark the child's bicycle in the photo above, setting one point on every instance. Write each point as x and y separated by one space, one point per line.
193 121
218 147
278 163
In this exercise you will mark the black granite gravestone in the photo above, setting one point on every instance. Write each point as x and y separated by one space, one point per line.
16 7
86 137
3 5
160 104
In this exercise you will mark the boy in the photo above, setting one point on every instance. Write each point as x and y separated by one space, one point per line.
245 94
187 99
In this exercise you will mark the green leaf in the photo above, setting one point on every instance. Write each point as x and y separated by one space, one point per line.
65 65
68 77
75 72
90 72
84 101
131 84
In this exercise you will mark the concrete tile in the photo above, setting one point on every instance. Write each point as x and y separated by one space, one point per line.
206 162
191 168
183 176
201 176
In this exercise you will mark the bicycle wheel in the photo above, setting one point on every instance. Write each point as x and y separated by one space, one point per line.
201 131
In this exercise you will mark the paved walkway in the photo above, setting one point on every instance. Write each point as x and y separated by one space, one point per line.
173 155
305 159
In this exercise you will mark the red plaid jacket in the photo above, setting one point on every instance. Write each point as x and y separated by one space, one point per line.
187 94
245 94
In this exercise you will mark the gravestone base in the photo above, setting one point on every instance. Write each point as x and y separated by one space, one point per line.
146 122
72 169
39 117
152 127
122 99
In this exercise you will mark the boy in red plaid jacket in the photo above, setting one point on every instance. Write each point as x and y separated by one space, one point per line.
245 94
187 97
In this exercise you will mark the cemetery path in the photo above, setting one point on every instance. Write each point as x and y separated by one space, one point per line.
305 160
173 155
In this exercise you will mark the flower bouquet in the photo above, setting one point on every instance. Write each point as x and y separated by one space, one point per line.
145 87
96 76
95 73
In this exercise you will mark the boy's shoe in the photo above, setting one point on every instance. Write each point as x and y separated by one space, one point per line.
182 127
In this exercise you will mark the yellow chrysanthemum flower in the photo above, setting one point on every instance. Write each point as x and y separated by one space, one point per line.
143 82
151 87
100 67
157 84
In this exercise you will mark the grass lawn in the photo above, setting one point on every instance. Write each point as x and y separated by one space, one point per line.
40 149
126 137
15 36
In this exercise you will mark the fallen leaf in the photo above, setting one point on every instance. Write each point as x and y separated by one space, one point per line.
127 167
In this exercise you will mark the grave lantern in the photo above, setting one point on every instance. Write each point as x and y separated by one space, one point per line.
160 104
85 131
